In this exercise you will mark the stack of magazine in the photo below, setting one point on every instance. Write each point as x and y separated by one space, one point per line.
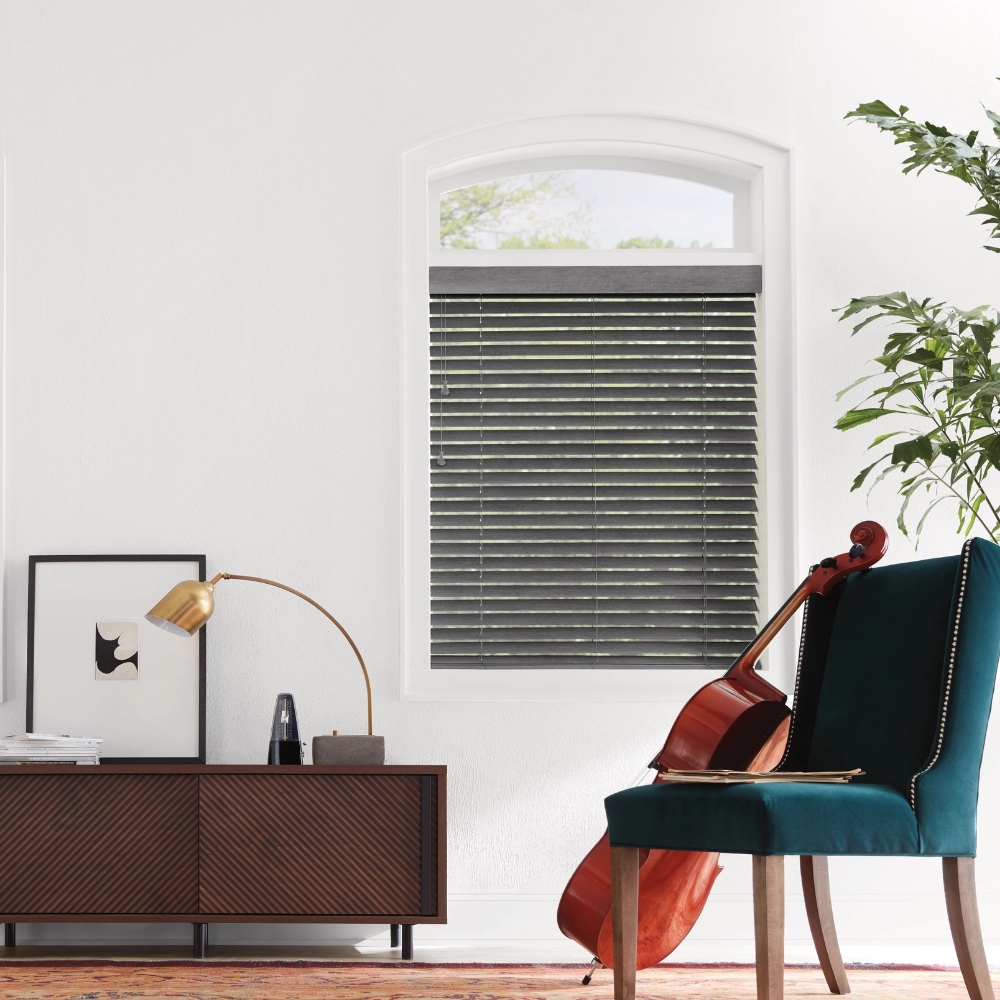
43 748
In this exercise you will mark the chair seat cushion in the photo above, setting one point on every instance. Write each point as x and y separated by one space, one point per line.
785 818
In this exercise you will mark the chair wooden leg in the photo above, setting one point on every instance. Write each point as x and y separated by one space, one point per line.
816 889
625 918
769 924
963 915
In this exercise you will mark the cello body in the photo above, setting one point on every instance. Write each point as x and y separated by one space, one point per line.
739 722
674 885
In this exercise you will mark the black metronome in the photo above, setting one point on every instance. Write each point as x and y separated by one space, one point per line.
285 745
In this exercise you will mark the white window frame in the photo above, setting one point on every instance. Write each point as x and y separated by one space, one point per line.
758 171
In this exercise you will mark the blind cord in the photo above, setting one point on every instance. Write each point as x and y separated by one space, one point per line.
444 370
444 376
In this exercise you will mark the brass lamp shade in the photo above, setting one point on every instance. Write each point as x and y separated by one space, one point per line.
185 609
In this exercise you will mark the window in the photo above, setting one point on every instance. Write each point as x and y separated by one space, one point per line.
593 466
525 273
586 210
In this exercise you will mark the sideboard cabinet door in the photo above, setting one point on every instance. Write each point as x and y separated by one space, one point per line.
306 844
98 843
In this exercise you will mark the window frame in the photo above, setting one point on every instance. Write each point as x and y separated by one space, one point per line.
762 171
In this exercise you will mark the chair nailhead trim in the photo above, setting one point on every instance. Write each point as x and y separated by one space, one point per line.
795 693
966 549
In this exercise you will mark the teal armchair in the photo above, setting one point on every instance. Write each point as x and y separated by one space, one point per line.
896 673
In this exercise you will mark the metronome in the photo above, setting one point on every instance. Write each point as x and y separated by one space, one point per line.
285 745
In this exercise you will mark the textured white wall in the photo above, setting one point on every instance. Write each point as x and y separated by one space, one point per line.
202 274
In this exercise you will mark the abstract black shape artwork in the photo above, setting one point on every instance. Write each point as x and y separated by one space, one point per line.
116 651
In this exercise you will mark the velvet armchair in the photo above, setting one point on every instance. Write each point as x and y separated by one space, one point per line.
895 676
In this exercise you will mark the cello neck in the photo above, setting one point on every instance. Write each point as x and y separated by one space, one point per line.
744 665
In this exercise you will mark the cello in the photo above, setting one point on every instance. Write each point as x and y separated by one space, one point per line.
739 722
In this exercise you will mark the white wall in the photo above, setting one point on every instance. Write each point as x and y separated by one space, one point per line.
201 322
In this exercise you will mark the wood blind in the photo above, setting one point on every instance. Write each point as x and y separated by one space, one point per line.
593 480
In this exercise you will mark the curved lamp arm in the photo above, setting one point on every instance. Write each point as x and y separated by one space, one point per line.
318 607
190 604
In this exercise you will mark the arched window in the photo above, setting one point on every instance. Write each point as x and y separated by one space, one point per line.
586 209
594 492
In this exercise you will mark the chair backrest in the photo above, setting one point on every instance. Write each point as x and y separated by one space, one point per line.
896 676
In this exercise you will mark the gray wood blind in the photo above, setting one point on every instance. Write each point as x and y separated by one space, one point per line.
593 480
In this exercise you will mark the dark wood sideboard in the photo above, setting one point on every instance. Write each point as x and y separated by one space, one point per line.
221 844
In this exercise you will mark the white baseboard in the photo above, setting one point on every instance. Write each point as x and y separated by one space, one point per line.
873 928
899 928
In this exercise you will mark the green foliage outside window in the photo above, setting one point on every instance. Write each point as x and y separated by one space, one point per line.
543 242
656 243
509 213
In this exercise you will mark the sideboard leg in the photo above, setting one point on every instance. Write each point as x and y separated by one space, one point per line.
407 940
9 935
393 935
200 939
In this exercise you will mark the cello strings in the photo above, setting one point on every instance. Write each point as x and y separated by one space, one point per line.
638 778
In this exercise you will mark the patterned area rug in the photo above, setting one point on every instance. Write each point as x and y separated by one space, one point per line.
392 981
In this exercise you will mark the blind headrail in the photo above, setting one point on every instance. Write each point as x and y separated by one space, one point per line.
723 279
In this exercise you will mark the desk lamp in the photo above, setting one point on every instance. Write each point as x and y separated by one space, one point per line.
190 604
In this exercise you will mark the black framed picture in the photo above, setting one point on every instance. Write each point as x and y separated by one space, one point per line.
97 668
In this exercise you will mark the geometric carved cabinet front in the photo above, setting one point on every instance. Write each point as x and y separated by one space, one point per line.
98 843
294 843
